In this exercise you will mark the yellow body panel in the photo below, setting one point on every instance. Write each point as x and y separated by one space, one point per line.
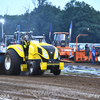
61 65
33 50
23 67
44 65
18 49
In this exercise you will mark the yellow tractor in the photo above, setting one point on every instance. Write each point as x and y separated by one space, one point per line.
41 57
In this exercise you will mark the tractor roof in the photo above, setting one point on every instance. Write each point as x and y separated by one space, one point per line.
38 37
61 33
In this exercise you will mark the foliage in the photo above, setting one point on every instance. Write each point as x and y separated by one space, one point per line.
82 15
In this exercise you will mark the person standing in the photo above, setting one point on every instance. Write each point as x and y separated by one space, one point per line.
93 55
87 50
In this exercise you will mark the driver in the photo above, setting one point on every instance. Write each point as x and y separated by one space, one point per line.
26 45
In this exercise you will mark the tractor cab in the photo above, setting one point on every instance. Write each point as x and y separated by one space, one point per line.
40 39
61 39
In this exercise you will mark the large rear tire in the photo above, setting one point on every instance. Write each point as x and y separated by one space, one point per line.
12 62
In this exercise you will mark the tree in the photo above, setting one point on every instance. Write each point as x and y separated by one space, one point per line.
44 14
82 16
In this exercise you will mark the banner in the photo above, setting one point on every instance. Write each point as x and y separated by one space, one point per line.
70 32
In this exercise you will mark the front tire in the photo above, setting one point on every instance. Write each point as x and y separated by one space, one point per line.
40 72
12 62
33 68
56 71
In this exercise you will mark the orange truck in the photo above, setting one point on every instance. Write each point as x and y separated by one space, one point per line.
61 41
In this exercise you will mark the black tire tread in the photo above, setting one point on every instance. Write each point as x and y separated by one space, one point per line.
16 60
56 71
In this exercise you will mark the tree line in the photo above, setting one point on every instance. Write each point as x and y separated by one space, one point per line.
82 15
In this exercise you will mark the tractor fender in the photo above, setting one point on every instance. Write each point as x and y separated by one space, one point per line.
18 49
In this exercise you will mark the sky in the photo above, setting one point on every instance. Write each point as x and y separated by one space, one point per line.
18 7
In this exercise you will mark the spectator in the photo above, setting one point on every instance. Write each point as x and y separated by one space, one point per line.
78 47
93 55
87 50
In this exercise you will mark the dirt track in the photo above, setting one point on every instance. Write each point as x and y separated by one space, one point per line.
50 87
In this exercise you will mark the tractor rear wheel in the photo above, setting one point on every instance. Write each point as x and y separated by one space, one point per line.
12 62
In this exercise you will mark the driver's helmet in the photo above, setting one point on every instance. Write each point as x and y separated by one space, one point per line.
26 37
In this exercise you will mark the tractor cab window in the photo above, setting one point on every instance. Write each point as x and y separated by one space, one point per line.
55 37
61 39
40 39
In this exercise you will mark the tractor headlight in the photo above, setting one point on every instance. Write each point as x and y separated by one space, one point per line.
98 58
45 54
56 53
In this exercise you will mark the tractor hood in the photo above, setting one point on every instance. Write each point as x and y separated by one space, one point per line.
46 50
50 50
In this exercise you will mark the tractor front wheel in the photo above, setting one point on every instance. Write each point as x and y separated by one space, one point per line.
40 72
33 68
56 71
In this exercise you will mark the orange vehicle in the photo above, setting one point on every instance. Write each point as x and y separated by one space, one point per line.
61 41
70 54
79 56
